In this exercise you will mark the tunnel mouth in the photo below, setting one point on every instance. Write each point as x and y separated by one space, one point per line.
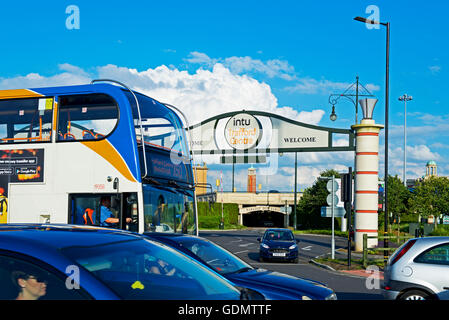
267 219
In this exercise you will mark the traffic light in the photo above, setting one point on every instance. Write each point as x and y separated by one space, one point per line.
346 187
381 197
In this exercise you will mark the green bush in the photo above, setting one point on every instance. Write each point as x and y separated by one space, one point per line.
208 222
441 230
209 216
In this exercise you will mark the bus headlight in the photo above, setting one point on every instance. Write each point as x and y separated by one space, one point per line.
263 245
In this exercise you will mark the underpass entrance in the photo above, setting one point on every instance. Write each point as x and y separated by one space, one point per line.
266 219
263 216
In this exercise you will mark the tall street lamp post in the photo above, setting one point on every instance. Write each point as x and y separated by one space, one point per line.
294 197
405 98
387 84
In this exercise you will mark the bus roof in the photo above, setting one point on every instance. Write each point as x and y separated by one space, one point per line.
64 90
107 88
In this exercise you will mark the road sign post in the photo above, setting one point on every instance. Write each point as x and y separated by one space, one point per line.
332 200
221 226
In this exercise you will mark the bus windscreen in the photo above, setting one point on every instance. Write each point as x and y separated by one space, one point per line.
166 150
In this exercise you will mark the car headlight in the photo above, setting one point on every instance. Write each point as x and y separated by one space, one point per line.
306 298
293 246
263 245
332 296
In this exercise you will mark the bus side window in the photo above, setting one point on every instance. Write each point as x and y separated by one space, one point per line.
26 120
86 117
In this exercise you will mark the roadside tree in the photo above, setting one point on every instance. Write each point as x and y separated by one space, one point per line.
430 197
309 206
398 197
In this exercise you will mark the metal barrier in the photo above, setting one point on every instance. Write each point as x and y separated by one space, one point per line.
365 246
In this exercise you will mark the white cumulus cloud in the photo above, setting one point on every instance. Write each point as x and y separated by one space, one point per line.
238 65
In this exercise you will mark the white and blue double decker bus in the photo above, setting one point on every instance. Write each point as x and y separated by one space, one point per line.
64 150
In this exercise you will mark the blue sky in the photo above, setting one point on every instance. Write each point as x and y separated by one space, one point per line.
279 53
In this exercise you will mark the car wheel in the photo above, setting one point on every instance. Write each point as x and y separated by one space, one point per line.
414 295
261 259
295 260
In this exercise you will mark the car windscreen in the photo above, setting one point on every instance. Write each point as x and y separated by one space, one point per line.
141 269
215 256
279 235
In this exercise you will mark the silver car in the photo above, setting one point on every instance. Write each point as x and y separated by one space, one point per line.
418 270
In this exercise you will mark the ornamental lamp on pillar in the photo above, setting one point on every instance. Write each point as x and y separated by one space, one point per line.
368 105
367 176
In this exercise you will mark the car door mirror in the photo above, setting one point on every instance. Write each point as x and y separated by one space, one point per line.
258 239
297 240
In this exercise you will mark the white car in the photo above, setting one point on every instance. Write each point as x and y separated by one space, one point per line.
418 270
164 228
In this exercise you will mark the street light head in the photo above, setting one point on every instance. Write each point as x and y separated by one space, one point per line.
360 19
405 98
364 20
333 115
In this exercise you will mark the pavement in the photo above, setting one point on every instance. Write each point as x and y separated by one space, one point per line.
373 273
365 273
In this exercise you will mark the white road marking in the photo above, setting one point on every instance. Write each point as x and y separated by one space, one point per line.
241 251
308 248
245 244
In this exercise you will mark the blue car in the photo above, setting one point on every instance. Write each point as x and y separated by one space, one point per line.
279 244
62 262
272 285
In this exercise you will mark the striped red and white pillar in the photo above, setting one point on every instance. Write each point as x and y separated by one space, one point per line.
366 186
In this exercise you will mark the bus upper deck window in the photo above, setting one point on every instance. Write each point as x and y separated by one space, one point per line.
26 120
86 117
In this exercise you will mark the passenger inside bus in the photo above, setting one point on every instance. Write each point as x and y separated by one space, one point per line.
156 219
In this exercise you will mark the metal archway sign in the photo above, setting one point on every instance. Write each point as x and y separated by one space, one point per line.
256 132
